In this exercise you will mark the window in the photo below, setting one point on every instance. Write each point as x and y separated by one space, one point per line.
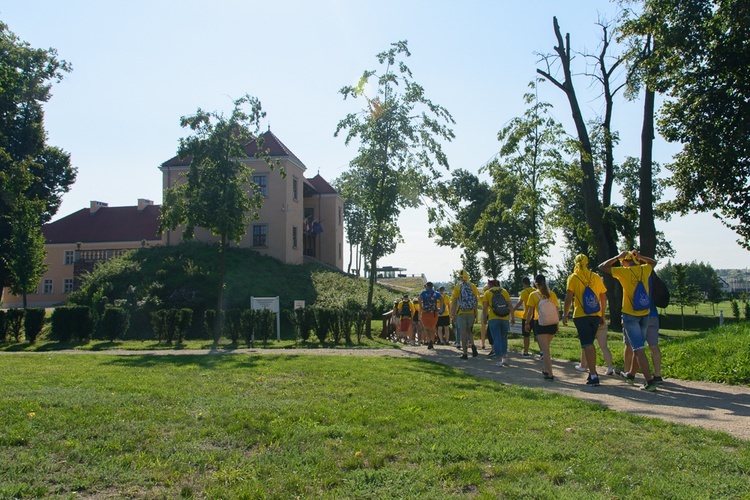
294 237
295 189
261 182
259 235
68 285
340 252
340 217
47 286
69 257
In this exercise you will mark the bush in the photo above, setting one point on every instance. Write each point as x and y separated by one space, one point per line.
747 310
114 323
306 316
232 326
324 318
33 323
247 326
183 320
3 332
72 322
14 323
265 323
735 309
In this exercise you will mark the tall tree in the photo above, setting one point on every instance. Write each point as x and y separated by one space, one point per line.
700 62
603 238
399 132
219 194
531 148
26 77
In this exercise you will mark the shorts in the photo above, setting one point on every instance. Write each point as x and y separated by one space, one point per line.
523 329
635 330
587 327
430 319
405 324
444 321
465 321
543 329
652 332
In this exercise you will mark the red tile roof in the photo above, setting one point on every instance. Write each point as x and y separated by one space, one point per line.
321 185
271 143
108 224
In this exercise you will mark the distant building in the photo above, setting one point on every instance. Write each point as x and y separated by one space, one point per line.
301 220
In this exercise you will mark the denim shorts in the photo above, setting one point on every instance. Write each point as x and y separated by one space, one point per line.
635 330
465 321
652 332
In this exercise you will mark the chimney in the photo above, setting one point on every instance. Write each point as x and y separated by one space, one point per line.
143 203
96 205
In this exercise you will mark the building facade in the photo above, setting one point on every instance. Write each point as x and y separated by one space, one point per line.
301 220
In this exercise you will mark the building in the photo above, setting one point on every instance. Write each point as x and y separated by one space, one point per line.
301 220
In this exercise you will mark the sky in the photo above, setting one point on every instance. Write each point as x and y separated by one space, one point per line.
138 66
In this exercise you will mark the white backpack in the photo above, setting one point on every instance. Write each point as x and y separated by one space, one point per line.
548 313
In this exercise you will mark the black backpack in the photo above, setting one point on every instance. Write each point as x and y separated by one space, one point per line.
405 309
659 292
499 304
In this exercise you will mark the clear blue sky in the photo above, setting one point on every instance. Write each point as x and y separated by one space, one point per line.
138 66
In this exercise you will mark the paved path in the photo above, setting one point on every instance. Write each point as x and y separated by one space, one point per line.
717 407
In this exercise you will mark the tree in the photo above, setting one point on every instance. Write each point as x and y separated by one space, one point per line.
531 149
700 62
355 218
219 194
25 253
684 293
26 160
399 132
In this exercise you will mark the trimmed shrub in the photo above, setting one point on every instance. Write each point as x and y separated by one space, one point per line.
72 323
114 323
183 319
325 318
247 326
33 322
14 323
306 317
232 326
735 309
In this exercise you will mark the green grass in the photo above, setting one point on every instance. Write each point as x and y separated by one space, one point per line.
243 426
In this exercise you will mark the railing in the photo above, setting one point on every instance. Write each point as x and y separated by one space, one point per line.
100 255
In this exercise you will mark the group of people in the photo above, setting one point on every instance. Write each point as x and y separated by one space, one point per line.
430 316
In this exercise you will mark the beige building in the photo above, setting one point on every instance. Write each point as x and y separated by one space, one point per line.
301 220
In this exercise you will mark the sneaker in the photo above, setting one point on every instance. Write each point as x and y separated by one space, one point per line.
491 354
630 379
649 386
429 346
547 376
464 356
610 371
581 368
592 381
474 352
504 362
499 363
657 380
526 354
540 356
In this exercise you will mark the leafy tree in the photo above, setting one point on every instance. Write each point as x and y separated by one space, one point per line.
26 160
684 294
531 148
25 254
399 133
215 195
699 62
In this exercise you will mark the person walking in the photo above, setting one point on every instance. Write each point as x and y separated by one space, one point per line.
444 320
543 311
405 312
464 300
523 300
495 313
633 274
431 305
585 290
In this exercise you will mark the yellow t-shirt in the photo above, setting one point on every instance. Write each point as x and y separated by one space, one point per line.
447 302
629 278
534 299
487 302
577 284
524 297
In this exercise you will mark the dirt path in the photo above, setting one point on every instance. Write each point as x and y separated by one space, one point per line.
717 407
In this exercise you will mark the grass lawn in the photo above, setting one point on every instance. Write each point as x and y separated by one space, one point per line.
245 426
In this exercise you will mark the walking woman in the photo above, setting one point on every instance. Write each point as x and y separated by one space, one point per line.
544 312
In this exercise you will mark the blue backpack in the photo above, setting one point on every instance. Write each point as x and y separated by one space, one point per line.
641 300
589 300
429 300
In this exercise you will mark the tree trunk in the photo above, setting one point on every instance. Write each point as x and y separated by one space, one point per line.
218 320
647 227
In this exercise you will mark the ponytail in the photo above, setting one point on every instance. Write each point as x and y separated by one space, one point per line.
541 284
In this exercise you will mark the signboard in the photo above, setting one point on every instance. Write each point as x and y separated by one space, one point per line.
299 304
270 303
